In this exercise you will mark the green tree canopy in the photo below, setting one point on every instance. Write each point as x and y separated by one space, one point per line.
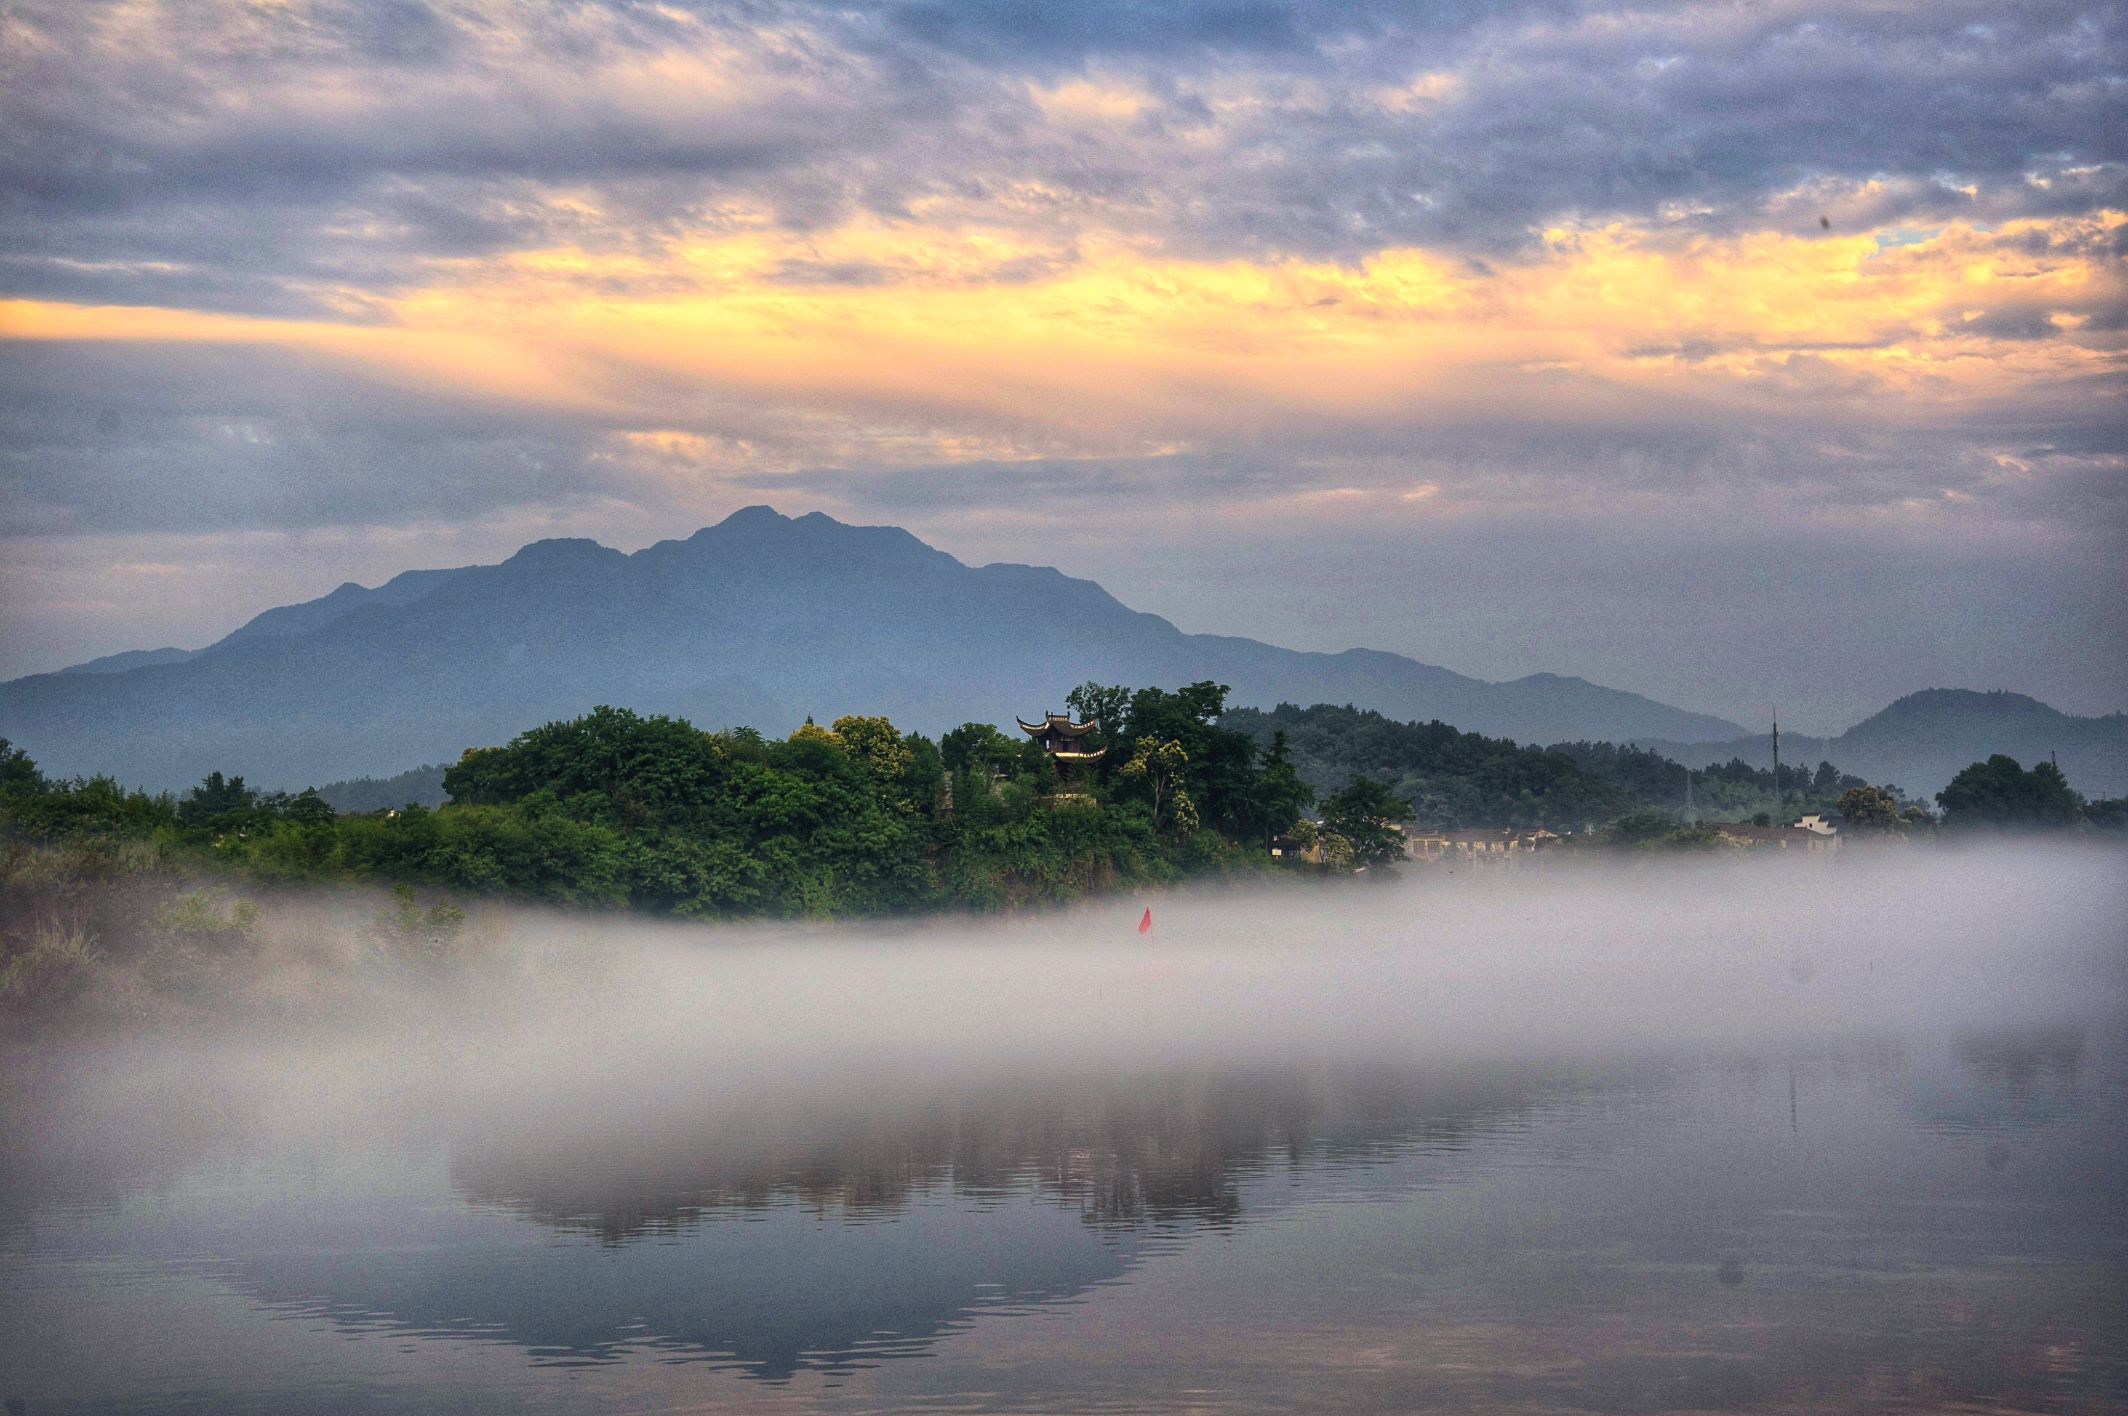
1101 704
974 747
1159 764
2001 794
216 796
18 774
1365 813
1869 809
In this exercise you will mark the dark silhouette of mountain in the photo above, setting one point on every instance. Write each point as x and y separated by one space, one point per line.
1920 742
761 619
130 659
291 620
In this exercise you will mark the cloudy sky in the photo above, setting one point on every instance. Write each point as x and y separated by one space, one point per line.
1727 352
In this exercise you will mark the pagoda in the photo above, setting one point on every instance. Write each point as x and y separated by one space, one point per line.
1062 739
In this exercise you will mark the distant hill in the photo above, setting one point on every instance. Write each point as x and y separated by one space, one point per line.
761 619
1920 742
420 785
130 659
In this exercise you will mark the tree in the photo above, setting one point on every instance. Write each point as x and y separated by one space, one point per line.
611 765
1159 764
308 808
18 774
973 747
2054 801
215 796
1999 793
1644 827
924 781
878 744
1279 795
1869 809
1104 704
1365 813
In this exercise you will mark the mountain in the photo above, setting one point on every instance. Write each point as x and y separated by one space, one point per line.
130 659
1920 742
761 619
292 620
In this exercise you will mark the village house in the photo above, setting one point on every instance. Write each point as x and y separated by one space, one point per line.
1817 839
1489 845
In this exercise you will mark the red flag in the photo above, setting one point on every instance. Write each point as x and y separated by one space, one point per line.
1145 925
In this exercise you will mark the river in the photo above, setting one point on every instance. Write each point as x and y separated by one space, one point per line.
1747 1137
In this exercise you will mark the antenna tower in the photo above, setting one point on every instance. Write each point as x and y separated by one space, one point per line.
1780 798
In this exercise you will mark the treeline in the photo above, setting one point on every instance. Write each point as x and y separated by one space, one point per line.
2001 794
1624 794
1725 791
616 809
1451 778
1455 779
620 810
423 784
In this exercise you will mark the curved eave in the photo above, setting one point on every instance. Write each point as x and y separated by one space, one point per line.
1061 726
1095 756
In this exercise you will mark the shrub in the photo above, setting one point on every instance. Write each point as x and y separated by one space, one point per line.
208 916
52 963
409 928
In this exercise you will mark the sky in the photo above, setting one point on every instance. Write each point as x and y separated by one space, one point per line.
1731 353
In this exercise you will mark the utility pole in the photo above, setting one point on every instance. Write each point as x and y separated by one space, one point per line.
1780 798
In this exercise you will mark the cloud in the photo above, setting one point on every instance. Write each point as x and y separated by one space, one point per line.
903 354
343 147
369 268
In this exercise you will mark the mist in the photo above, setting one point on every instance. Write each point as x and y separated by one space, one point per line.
600 1148
545 1014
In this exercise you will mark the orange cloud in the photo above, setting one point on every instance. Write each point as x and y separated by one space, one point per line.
937 340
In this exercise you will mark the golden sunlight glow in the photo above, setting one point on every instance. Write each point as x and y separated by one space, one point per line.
969 341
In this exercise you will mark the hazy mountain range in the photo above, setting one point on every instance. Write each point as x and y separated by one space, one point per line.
761 619
1921 741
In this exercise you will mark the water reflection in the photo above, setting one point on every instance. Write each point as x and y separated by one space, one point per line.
1122 1151
828 1227
2024 1061
2004 1081
826 1231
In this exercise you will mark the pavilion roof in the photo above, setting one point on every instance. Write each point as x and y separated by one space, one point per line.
1059 724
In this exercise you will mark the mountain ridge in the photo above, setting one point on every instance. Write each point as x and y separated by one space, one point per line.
759 618
1921 740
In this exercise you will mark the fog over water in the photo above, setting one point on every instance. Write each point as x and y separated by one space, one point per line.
1743 1134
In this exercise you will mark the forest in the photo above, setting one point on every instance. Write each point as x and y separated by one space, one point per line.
1458 779
617 809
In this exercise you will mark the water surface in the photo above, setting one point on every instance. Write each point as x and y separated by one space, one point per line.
1812 1140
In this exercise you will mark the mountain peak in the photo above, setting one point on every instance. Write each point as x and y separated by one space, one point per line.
559 549
760 514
